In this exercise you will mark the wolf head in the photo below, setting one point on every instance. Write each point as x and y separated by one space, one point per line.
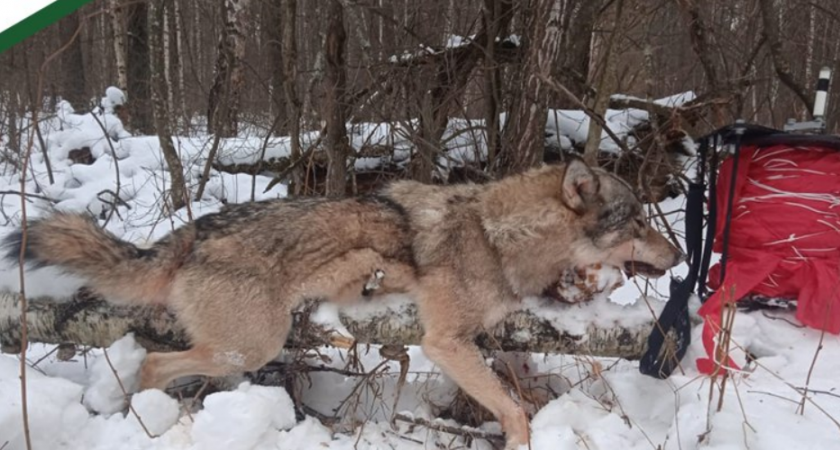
612 219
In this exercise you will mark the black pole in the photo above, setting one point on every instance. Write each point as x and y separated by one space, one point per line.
739 132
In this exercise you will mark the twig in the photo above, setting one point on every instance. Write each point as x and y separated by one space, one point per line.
778 377
24 327
365 379
309 152
726 338
205 173
38 361
116 168
125 394
44 150
261 161
744 414
797 325
814 360
400 436
562 90
459 431
817 391
397 353
198 394
781 397
27 195
323 418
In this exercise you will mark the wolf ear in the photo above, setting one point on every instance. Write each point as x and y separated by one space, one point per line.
580 186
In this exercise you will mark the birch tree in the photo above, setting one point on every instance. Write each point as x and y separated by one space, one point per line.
117 16
524 134
162 115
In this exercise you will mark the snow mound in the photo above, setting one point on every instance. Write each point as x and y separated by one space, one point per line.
241 419
157 411
104 394
55 408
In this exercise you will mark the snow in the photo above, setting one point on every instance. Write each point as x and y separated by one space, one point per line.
104 393
605 408
242 419
578 401
455 41
113 97
155 411
601 312
571 127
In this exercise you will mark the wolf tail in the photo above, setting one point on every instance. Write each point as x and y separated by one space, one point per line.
114 268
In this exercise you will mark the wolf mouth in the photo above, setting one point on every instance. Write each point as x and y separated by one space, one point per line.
632 268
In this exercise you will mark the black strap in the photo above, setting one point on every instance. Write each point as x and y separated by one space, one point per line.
711 222
674 316
724 255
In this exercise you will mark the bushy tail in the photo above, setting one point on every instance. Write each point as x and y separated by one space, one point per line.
114 268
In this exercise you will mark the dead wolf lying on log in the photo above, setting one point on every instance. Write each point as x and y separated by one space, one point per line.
467 254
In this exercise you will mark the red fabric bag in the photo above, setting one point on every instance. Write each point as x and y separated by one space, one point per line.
784 236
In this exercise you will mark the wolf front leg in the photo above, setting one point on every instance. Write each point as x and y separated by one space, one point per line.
373 283
358 273
462 361
452 314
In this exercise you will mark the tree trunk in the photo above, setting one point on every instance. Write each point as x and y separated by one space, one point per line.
162 114
138 64
118 35
699 33
293 104
275 30
605 82
360 31
14 138
579 21
181 51
524 132
223 105
72 64
167 54
334 108
453 70
780 61
87 320
492 77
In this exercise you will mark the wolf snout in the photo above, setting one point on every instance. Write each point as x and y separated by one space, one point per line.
679 258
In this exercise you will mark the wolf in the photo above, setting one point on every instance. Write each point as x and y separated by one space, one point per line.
467 254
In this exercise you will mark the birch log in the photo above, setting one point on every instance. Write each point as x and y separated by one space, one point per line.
87 320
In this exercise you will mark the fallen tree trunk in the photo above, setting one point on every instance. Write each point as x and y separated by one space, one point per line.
87 320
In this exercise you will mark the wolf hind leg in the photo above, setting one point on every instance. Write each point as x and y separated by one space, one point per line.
215 359
235 324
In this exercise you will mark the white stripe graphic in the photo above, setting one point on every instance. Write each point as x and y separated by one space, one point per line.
15 11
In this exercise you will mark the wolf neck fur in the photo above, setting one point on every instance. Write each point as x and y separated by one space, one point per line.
525 225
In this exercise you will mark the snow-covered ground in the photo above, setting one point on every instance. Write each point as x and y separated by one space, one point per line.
579 402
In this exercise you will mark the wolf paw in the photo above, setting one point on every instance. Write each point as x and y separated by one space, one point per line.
373 283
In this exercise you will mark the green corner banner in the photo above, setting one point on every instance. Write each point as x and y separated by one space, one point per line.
31 24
